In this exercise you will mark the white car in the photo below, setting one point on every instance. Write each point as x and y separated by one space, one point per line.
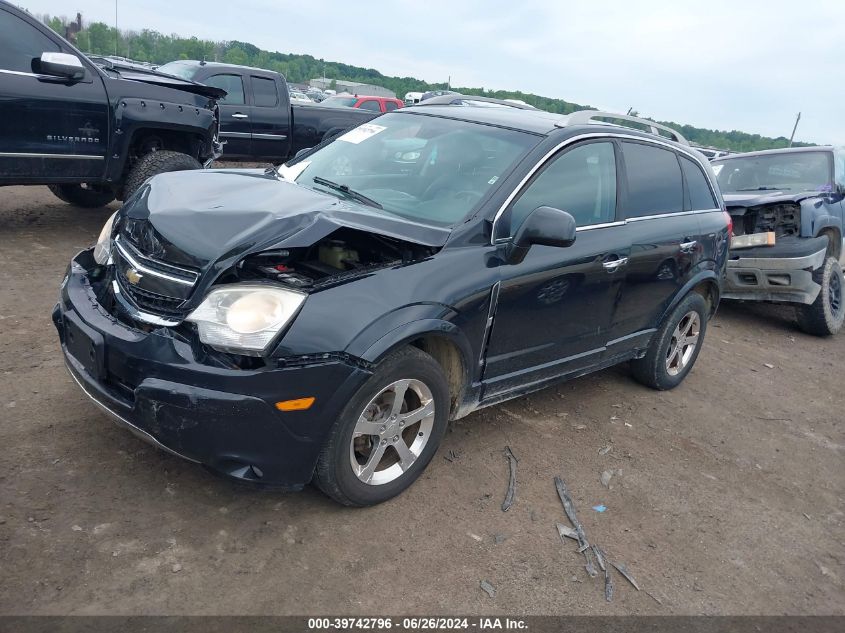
299 97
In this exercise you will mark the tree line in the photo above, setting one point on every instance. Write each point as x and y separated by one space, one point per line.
150 46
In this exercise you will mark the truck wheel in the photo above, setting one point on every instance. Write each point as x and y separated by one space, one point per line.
824 317
387 433
675 346
157 162
83 195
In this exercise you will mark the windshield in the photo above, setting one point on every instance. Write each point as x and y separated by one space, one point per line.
345 102
179 69
429 169
798 171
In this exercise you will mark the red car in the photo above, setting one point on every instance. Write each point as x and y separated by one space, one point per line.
376 104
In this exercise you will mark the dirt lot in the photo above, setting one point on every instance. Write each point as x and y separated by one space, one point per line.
727 496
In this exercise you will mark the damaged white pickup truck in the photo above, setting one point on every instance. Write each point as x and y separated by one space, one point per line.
788 213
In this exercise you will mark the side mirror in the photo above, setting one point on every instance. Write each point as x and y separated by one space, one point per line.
546 226
61 65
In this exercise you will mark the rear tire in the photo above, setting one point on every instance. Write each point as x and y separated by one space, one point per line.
361 463
83 195
157 162
825 316
675 346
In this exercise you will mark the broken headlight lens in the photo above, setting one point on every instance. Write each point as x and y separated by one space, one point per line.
103 248
244 318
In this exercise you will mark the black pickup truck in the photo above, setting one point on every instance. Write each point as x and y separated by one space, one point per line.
258 122
93 131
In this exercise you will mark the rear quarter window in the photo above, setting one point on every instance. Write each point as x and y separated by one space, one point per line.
699 194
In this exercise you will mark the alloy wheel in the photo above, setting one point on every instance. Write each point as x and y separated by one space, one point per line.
392 432
684 341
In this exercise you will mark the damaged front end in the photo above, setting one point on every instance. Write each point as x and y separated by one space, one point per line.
173 322
771 259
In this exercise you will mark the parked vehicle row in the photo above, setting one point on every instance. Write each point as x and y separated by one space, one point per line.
309 324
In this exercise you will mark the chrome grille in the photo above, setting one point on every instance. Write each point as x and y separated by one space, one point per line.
153 286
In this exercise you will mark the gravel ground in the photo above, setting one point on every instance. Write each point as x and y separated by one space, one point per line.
726 495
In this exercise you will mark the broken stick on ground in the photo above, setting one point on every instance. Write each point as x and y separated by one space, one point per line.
512 460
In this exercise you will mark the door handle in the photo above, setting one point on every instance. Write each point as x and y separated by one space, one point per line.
239 115
615 264
686 247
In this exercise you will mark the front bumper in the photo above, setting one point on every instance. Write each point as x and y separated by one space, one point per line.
153 384
781 273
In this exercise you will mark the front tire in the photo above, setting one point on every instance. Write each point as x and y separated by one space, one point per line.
675 346
387 433
83 195
157 162
824 317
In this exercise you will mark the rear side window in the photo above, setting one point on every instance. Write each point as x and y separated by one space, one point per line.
20 43
699 195
390 106
654 180
264 91
581 181
232 84
370 105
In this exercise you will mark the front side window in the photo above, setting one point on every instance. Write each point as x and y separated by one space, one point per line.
21 43
699 195
370 104
655 185
580 181
430 169
787 171
264 91
232 84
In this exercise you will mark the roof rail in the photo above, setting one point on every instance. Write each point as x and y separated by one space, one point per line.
581 117
458 99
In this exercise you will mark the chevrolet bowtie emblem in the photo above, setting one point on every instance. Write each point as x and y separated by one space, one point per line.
133 276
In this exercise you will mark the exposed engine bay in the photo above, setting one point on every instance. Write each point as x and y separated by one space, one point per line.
784 220
342 255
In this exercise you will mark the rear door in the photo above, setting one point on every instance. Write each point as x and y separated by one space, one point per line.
235 122
51 129
556 306
270 118
665 234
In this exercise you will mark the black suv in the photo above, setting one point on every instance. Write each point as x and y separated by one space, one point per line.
325 321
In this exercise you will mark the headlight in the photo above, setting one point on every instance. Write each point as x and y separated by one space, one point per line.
244 318
103 247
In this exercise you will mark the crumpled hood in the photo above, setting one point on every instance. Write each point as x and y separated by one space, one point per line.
212 218
757 198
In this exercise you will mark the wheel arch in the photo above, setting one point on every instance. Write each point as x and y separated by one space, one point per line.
442 340
706 283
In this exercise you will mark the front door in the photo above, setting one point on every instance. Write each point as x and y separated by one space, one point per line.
556 306
51 129
235 123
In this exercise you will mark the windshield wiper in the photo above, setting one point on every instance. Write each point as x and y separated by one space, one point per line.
360 197
766 189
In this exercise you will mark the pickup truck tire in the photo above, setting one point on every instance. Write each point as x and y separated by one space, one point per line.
83 195
675 346
370 431
158 162
824 317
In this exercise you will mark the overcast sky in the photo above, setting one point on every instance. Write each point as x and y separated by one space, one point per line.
726 64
